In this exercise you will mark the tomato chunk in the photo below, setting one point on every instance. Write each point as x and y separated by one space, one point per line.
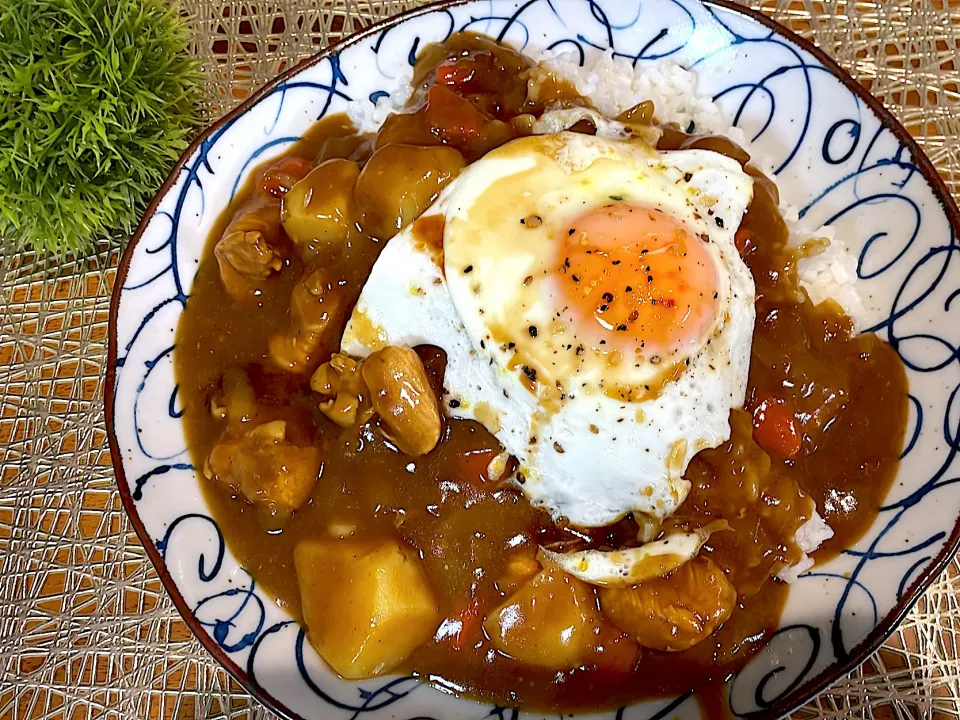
284 174
774 428
465 625
457 73
452 117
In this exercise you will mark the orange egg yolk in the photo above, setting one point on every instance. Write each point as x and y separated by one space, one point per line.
645 279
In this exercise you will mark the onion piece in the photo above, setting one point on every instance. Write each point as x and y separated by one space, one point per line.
554 121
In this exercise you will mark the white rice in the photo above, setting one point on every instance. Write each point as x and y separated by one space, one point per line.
831 274
809 536
367 117
614 85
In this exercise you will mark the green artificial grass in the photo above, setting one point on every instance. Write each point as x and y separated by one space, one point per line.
97 101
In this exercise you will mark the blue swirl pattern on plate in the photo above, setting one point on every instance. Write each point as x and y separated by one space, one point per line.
834 158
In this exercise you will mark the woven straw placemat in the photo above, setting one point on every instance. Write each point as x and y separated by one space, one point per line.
86 630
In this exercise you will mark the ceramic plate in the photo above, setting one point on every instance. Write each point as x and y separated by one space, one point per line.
838 156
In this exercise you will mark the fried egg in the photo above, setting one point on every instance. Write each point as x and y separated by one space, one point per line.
596 315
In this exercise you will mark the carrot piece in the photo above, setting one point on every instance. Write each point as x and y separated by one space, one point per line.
283 175
774 427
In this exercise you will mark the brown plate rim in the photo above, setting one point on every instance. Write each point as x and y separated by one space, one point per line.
800 695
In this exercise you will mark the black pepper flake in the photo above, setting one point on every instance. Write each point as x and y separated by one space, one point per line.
521 478
468 269
530 372
576 279
629 288
616 198
607 296
719 221
603 308
454 403
571 231
511 345
691 127
688 176
532 330
649 278
579 350
715 295
483 345
622 327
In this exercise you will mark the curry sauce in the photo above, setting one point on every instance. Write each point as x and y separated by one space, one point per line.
823 423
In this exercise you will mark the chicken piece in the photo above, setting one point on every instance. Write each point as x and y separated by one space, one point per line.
318 211
341 385
265 467
246 252
366 604
674 612
553 622
399 182
401 394
238 401
317 310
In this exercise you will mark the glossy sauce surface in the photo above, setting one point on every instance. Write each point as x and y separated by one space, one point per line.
845 398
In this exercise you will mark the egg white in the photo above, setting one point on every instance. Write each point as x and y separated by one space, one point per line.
589 458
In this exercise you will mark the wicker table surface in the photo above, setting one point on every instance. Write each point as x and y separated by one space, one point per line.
86 630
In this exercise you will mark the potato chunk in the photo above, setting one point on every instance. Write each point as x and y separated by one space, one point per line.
399 182
366 604
674 612
552 621
318 211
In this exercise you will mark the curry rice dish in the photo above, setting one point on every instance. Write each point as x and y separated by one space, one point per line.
540 382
